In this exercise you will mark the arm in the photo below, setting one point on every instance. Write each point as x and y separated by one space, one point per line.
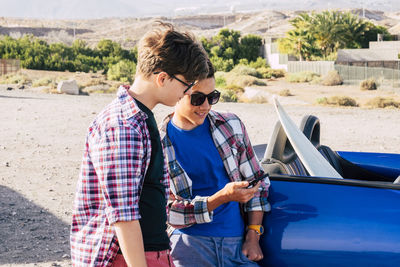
251 245
121 185
234 191
130 241
186 212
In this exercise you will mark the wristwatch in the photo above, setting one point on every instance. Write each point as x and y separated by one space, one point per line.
256 227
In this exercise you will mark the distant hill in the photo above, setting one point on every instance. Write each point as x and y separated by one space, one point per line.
128 30
95 9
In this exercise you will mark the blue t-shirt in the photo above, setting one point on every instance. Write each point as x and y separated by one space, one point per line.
197 154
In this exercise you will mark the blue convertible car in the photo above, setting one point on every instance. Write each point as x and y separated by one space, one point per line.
319 221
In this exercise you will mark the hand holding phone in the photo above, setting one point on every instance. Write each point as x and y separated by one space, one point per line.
255 181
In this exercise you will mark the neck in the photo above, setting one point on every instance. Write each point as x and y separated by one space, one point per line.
143 90
182 122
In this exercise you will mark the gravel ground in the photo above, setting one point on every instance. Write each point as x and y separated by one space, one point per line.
41 144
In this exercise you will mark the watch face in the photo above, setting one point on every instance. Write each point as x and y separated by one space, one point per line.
261 229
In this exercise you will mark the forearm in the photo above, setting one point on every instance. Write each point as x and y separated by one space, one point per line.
251 246
254 217
130 240
215 201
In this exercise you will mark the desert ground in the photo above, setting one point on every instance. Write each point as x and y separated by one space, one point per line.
42 138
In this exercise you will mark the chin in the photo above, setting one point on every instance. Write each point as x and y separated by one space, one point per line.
199 121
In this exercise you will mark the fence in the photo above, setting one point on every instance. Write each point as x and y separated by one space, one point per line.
385 73
9 66
320 67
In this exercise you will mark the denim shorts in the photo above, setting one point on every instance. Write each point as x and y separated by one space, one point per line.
204 251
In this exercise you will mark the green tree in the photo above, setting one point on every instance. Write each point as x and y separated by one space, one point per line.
249 47
123 71
320 35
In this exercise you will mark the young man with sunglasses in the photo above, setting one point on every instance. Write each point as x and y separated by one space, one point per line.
120 216
211 161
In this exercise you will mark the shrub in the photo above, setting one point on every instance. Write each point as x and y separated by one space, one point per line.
221 64
235 88
338 101
301 77
368 84
380 102
122 71
332 78
316 80
43 82
220 81
246 70
243 61
259 63
278 73
15 79
265 73
285 92
242 80
229 95
257 99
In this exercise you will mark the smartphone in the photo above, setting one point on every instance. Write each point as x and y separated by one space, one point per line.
255 181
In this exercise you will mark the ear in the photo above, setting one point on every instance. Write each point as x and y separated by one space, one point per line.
161 79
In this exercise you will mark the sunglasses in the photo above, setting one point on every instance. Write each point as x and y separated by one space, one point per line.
189 85
198 98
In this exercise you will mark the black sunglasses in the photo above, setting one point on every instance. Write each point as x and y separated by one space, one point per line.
198 98
189 85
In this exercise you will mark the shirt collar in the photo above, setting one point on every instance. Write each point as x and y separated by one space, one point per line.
129 107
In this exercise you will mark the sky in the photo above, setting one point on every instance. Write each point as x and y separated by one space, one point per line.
91 9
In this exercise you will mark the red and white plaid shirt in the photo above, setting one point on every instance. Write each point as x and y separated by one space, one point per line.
116 157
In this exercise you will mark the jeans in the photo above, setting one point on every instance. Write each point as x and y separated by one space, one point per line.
204 251
153 259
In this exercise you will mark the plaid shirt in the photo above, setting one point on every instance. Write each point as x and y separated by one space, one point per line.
240 162
116 157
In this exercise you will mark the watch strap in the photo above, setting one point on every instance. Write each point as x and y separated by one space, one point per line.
256 227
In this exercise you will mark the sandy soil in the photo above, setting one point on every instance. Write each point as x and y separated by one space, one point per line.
41 144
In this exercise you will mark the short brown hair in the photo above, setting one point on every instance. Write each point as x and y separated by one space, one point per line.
211 70
165 49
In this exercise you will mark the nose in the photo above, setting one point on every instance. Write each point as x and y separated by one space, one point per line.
205 104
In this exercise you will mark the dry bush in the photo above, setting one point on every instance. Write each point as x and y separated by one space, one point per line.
229 95
268 73
257 100
338 101
265 72
50 90
246 70
285 92
235 88
332 78
316 80
15 78
301 77
381 102
242 80
368 84
93 82
220 81
278 73
44 82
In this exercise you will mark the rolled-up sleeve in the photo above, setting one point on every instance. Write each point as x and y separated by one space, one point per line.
186 212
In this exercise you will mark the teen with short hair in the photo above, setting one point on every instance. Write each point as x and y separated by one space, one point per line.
119 217
211 161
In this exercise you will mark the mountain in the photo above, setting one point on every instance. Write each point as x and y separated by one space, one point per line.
94 9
